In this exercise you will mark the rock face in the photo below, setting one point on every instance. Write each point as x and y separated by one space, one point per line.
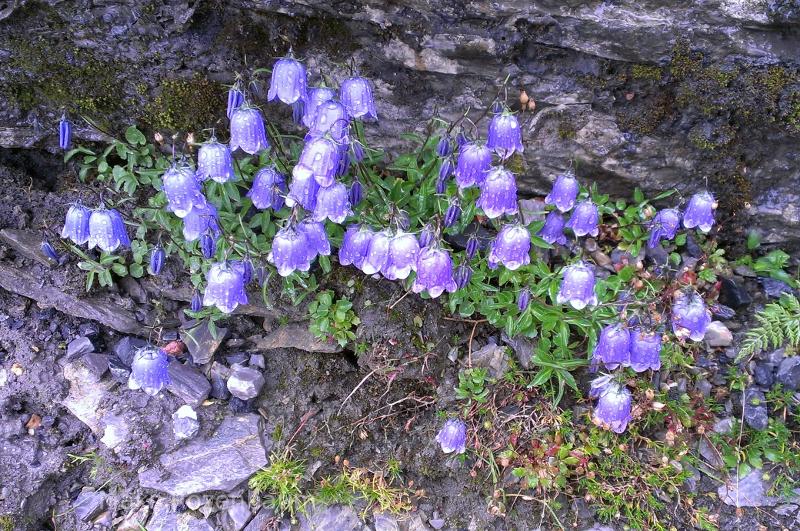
645 93
223 461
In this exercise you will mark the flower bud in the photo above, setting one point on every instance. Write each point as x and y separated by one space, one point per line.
355 193
462 275
197 302
452 215
49 251
446 169
208 246
157 260
426 236
524 299
472 247
402 220
64 133
443 148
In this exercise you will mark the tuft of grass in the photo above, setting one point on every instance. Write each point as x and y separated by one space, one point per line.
280 482
360 484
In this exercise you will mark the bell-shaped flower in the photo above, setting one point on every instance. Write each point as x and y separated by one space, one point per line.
445 169
355 245
690 317
197 302
577 287
333 203
105 231
474 161
553 229
331 118
149 370
182 189
700 212
511 247
268 189
453 437
524 299
225 287
664 226
119 228
377 253
462 276
318 243
356 95
288 82
564 192
316 97
613 347
434 272
645 350
49 251
235 99
613 409
498 193
208 245
303 189
426 236
320 159
452 214
157 257
214 161
585 219
76 225
64 133
402 258
355 193
199 221
472 248
505 135
247 130
444 147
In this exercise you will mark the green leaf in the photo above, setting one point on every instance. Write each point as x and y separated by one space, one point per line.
119 269
134 136
136 270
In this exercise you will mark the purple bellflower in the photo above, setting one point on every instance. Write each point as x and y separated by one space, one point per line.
149 370
235 98
690 318
613 347
445 169
577 287
474 161
505 136
584 219
331 118
200 220
645 350
247 130
426 236
64 133
462 276
288 82
225 287
564 192
316 236
355 245
402 257
355 193
49 251
302 190
333 203
157 257
356 95
320 158
452 214
377 253
453 437
298 111
613 410
444 147
664 226
208 245
511 247
700 212
553 229
105 231
498 193
524 299
268 189
182 189
197 302
119 228
214 161
472 247
434 272
76 225
290 251
316 97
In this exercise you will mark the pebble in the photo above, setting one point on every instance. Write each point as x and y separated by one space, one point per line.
733 294
718 335
789 373
245 383
236 516
188 383
79 347
749 491
755 409
89 504
184 422
763 374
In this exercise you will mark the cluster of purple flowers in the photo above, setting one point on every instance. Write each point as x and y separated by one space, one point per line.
583 221
699 213
101 227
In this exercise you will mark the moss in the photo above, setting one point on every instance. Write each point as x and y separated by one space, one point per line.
645 118
184 105
792 117
566 130
646 72
6 523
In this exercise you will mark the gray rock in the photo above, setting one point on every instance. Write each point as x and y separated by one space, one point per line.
748 491
202 344
733 294
97 363
385 522
755 409
235 517
127 347
723 426
27 243
187 383
219 376
789 373
119 372
257 361
116 430
78 347
260 520
164 517
245 383
763 374
493 357
86 392
523 348
338 517
710 454
774 288
718 335
787 509
89 504
293 335
184 422
135 520
222 462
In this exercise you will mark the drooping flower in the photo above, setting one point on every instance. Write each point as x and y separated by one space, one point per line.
511 247
402 257
331 118
377 253
453 437
104 230
119 228
316 236
441 185
64 133
290 251
577 287
247 130
200 220
246 267
434 272
214 161
356 95
149 370
700 212
302 190
505 135
462 276
208 245
157 257
182 189
355 245
356 151
474 161
613 347
498 193
76 225
690 317
297 112
445 169
355 193
645 350
268 189
443 147
224 287
564 192
584 219
320 158
553 229
333 203
452 215
49 251
197 302
524 299
664 226
426 236
613 409
316 97
472 247
288 82
235 99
